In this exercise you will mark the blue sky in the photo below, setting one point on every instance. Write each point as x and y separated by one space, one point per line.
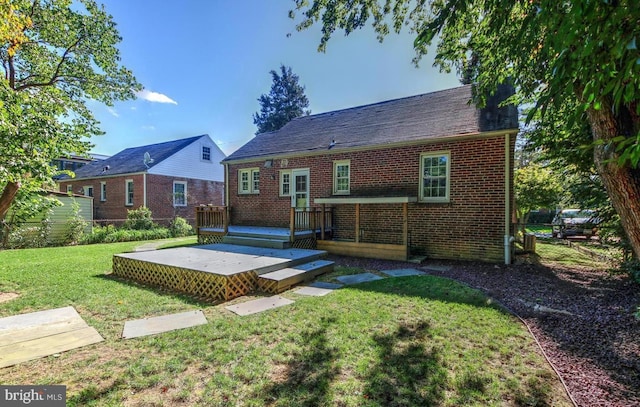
204 63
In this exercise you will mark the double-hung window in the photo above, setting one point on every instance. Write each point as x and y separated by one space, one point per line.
179 193
249 181
341 177
285 183
88 190
103 191
128 192
206 153
435 176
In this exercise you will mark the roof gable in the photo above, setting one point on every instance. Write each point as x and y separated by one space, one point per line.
131 160
428 116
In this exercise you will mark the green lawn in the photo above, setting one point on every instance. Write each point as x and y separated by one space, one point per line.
411 341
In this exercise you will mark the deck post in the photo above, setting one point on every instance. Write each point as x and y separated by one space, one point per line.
322 208
312 221
357 223
225 221
292 224
405 226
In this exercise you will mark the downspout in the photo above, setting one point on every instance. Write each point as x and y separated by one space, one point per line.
144 189
226 193
508 238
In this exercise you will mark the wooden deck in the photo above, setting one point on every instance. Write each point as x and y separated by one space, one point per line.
211 272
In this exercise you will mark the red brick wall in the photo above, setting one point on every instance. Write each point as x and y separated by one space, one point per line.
470 226
159 196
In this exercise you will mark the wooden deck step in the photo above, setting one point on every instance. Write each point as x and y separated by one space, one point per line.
281 280
271 243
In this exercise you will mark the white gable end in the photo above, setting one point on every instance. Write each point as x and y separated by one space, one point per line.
191 162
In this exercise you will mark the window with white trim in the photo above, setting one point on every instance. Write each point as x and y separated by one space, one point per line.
249 181
128 192
69 189
88 190
285 183
179 193
341 177
206 153
103 191
435 173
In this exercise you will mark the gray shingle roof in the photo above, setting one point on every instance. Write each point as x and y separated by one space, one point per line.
428 116
130 161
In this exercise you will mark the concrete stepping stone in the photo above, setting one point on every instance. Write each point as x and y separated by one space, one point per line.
259 305
164 323
403 272
313 291
328 286
358 278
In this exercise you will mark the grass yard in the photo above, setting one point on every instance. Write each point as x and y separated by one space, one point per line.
410 341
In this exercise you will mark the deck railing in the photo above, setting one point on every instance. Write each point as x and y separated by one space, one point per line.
314 219
212 217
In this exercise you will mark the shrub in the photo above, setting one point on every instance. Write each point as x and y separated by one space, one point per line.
111 234
75 225
632 267
23 237
179 227
139 219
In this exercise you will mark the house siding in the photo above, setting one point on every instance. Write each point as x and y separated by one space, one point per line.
159 200
188 163
470 226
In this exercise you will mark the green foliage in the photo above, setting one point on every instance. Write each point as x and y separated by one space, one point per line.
61 55
179 227
139 219
75 225
111 234
26 236
285 102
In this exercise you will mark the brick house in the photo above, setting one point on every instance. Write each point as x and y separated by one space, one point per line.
170 178
428 175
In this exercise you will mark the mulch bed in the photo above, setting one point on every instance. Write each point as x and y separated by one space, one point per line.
583 320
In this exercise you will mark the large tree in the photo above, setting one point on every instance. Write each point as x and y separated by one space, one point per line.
283 103
552 51
55 55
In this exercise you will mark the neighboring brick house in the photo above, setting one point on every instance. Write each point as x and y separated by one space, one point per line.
430 174
170 178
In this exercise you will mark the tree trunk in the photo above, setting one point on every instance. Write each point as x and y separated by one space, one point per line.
622 182
8 194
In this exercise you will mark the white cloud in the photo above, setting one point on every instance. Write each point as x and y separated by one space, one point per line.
113 112
155 97
149 127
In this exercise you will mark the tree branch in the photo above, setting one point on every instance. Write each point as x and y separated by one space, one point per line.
56 75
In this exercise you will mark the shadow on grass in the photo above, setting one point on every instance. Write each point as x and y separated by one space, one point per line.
407 373
305 380
159 290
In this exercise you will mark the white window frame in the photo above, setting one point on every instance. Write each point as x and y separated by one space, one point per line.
103 191
446 177
208 153
341 163
184 193
251 184
87 190
70 189
127 201
285 174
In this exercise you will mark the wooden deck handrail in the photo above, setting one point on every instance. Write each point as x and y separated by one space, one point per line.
209 216
311 219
